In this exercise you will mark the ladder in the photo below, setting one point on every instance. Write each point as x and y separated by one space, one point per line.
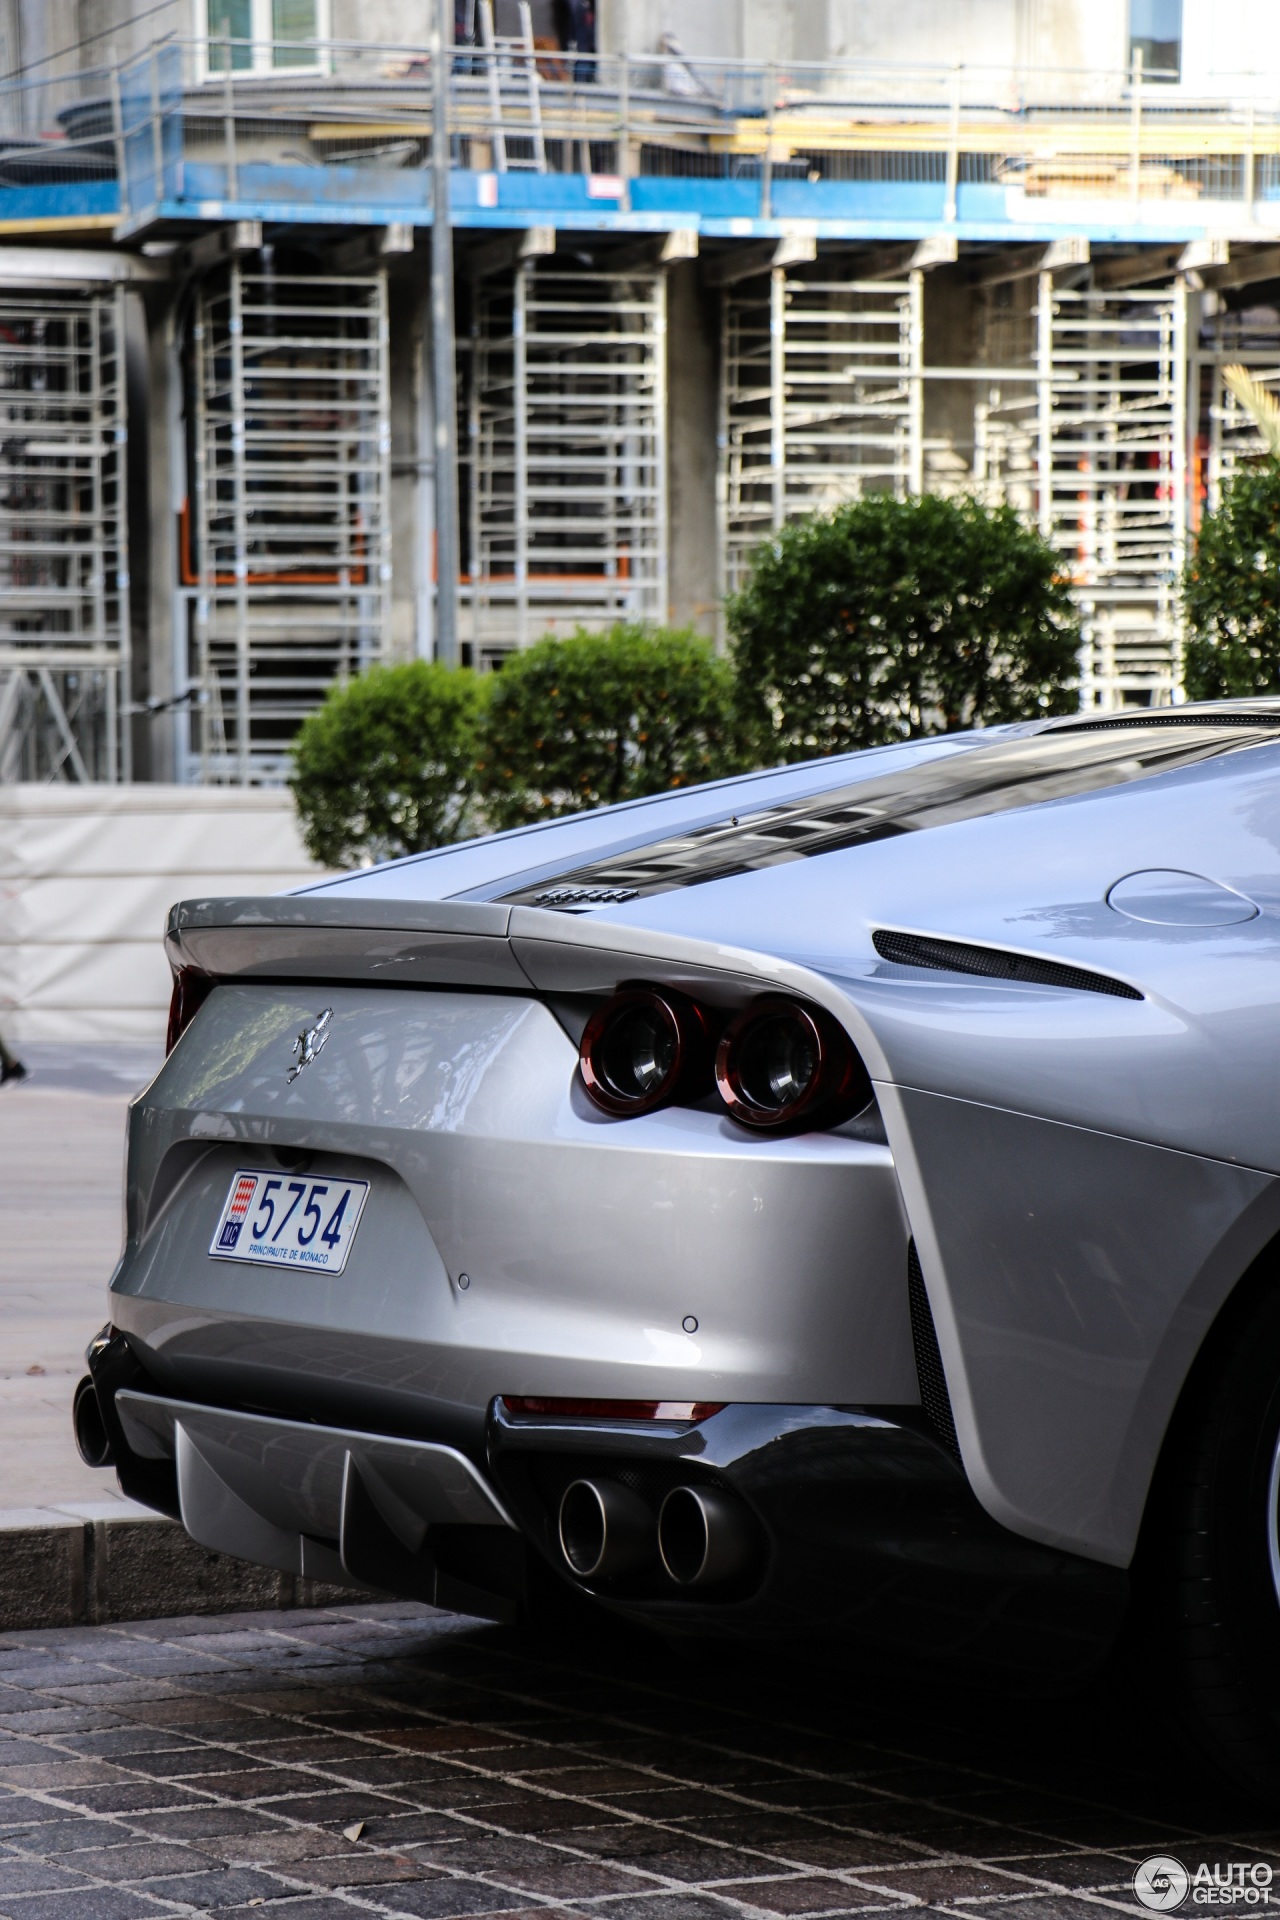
511 68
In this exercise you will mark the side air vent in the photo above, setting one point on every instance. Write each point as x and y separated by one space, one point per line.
993 963
934 1397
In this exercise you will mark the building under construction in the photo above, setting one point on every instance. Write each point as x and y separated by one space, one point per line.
693 297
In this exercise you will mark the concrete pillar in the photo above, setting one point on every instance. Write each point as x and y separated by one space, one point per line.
134 609
158 460
950 340
693 380
406 311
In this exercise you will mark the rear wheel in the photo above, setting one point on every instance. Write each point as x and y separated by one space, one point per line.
1210 1568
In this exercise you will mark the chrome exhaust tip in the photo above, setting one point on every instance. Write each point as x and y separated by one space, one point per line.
92 1442
705 1536
606 1530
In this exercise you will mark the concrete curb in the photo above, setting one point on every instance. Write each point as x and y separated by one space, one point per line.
86 1563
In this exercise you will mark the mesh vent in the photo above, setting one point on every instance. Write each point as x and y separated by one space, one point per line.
651 1479
993 963
934 1397
1166 717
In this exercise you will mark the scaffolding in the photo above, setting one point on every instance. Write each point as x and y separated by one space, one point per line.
821 400
1111 439
1225 432
64 569
1079 423
567 440
292 564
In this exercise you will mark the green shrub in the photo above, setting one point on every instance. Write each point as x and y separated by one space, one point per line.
1231 592
889 618
600 717
384 766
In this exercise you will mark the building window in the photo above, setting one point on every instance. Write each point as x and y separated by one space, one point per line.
265 35
1155 32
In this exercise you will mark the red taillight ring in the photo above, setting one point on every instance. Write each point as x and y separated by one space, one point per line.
617 1080
836 1087
191 989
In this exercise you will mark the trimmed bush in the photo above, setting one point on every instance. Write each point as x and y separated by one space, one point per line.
888 619
600 717
1231 592
384 766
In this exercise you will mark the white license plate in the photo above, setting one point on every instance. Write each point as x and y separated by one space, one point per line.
286 1220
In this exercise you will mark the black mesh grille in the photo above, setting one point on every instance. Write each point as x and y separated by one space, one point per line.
993 963
1168 717
934 1397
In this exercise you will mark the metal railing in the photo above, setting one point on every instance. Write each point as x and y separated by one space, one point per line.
228 120
59 130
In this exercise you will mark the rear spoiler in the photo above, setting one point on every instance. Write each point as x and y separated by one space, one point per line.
289 936
461 943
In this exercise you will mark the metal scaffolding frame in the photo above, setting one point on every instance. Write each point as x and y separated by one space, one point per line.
567 437
292 499
1224 432
1006 403
64 566
821 398
1111 444
1080 424
1005 444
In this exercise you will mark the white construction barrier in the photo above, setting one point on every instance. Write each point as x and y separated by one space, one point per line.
87 876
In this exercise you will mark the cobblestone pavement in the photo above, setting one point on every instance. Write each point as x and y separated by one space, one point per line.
387 1760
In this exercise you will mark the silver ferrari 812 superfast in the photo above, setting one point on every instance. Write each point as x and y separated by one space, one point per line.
843 1200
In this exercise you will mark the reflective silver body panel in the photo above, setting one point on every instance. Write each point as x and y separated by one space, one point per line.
1086 1177
585 1247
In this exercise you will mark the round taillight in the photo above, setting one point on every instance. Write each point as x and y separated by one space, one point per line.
780 1063
640 1050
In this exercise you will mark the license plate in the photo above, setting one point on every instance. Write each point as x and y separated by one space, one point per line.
283 1220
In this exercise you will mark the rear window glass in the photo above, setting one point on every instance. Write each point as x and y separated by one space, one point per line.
1083 757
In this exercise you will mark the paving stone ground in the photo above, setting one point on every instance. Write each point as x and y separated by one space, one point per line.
61 1175
218 1766
389 1760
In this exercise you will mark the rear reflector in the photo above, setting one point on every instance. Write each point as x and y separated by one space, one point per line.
613 1409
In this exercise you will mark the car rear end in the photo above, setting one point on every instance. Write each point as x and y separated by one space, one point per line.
402 1306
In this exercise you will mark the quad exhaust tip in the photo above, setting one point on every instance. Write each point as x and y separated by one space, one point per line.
606 1530
92 1442
703 1537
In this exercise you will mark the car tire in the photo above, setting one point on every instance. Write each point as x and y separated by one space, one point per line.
1208 1575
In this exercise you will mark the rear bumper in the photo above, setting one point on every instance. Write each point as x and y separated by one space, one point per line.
365 1510
868 1533
870 1536
513 1240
